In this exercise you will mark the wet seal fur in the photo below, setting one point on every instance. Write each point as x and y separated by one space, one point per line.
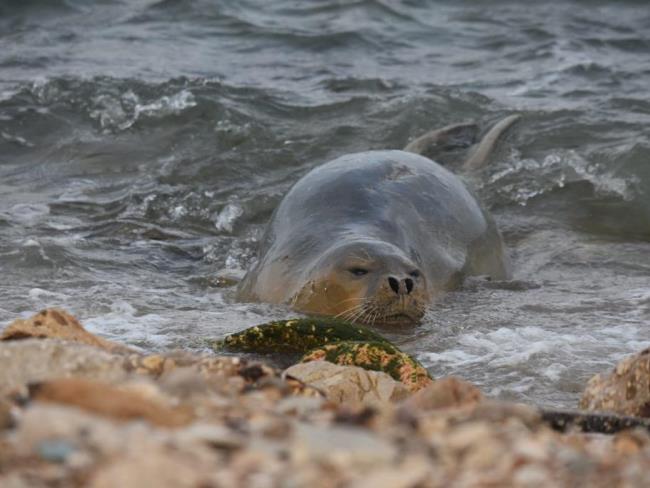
376 236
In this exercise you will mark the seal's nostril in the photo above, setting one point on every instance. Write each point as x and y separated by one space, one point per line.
394 284
409 285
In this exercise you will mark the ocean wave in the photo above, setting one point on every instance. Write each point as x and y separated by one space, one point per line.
10 8
525 179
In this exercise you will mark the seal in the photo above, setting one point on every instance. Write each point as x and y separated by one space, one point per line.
375 237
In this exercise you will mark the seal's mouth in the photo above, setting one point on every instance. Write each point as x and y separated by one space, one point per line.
400 319
374 312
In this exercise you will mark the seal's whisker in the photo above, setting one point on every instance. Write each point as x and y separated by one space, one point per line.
355 314
354 308
362 313
377 315
372 313
373 318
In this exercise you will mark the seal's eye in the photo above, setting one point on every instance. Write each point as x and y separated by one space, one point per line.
358 271
415 274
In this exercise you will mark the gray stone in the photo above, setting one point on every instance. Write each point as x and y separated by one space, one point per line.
55 450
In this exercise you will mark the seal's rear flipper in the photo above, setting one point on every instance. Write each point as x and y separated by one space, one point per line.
436 142
481 154
444 145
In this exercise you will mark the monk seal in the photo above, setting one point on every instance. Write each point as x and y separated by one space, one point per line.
376 236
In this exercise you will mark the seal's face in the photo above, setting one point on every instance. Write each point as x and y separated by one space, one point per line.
370 282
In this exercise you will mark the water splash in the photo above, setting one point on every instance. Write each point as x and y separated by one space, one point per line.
226 219
122 112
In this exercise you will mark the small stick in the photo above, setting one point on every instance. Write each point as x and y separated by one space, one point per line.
588 422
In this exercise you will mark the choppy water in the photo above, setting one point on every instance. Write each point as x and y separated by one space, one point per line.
144 144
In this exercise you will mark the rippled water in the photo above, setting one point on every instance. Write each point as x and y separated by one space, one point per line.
144 144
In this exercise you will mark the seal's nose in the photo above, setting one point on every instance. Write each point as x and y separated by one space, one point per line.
401 287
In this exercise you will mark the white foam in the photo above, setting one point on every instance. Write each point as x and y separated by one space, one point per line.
549 350
226 219
40 293
29 242
77 190
8 94
15 139
171 105
554 371
125 324
28 213
178 212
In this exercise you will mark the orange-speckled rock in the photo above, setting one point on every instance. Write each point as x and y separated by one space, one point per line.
624 391
56 324
375 356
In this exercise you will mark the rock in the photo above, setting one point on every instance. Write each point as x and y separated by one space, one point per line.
42 422
217 436
157 467
295 336
349 384
6 415
109 401
336 341
414 471
55 450
629 443
375 356
447 392
238 423
155 365
299 406
341 446
624 391
497 412
37 360
103 446
56 324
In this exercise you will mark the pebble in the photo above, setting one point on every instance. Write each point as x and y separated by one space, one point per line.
55 450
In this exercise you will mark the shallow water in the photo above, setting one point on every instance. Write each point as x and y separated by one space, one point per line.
144 144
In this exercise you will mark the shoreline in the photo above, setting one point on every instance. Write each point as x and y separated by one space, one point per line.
77 410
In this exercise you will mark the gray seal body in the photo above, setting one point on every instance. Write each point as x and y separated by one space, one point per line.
389 229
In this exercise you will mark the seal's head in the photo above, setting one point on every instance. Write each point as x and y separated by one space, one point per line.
364 281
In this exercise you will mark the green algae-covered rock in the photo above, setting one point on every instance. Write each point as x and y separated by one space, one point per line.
376 356
332 340
295 336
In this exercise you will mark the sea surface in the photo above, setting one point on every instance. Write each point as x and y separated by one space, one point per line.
144 145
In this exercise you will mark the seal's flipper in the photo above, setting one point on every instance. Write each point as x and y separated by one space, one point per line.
450 138
482 152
